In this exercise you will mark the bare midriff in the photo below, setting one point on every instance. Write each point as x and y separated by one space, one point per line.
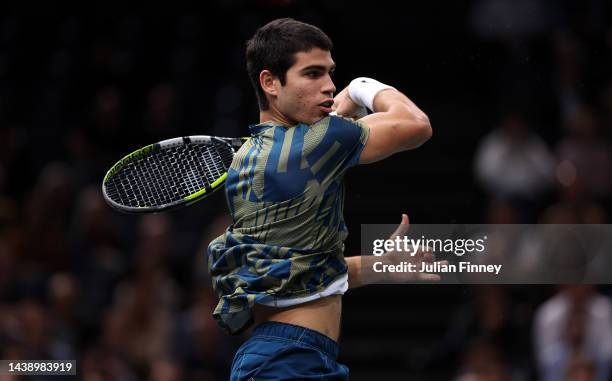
322 315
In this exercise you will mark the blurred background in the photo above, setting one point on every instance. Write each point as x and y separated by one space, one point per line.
519 94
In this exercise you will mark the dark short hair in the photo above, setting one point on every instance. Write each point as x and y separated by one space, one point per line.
273 47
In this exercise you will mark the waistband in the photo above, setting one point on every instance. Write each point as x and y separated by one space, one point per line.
298 334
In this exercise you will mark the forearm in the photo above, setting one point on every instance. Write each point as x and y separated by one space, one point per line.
362 268
394 102
396 125
354 272
381 98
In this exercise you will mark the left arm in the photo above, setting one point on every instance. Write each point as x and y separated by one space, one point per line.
354 272
357 263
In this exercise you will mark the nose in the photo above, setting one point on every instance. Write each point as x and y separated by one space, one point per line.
329 88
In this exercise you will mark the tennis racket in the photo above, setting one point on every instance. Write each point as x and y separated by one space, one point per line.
169 174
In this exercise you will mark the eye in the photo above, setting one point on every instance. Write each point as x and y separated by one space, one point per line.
312 74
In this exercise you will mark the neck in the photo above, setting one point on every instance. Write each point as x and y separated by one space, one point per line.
275 116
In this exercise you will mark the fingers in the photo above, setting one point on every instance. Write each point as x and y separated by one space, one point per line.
334 107
403 227
343 109
338 100
344 105
423 254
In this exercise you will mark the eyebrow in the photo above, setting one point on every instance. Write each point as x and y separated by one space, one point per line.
318 67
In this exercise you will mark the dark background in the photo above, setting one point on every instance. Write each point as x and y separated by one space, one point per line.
129 298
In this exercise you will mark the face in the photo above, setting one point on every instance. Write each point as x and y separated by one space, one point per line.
307 95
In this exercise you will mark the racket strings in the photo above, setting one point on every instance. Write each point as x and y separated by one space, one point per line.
169 175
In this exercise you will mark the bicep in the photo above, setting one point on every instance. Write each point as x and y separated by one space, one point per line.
389 135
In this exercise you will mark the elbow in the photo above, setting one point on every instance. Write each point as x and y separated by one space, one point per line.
425 131
418 133
423 128
417 127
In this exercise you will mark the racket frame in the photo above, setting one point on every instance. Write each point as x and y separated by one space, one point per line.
234 143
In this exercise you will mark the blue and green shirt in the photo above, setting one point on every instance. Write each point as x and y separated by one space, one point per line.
285 193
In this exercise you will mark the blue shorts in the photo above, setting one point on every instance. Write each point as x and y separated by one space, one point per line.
279 351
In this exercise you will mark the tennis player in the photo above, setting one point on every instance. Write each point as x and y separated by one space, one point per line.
281 265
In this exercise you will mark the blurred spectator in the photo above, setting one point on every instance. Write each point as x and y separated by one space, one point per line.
570 60
27 332
198 342
506 19
81 152
139 322
63 312
95 255
574 207
107 130
575 322
107 115
501 211
164 370
92 225
513 162
483 362
13 239
155 239
580 368
490 320
47 214
159 117
102 363
585 155
130 298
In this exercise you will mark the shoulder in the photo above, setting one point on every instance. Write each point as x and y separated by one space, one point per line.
337 121
343 130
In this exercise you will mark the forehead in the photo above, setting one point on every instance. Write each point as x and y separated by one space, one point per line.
315 56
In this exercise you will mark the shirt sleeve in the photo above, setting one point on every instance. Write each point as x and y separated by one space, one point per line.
339 147
364 134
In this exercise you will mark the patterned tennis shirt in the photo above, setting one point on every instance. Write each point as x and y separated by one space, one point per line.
285 193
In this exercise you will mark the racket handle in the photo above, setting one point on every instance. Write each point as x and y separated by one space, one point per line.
235 142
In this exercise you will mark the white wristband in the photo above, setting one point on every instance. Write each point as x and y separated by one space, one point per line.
362 91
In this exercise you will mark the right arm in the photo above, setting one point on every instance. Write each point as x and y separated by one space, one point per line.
396 125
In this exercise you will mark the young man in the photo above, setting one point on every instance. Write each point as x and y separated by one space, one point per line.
281 264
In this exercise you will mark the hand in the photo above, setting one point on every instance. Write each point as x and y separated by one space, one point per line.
423 255
344 106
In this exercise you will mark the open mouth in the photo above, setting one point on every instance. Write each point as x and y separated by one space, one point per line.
326 106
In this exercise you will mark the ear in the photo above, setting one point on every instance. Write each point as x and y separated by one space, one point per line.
268 82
